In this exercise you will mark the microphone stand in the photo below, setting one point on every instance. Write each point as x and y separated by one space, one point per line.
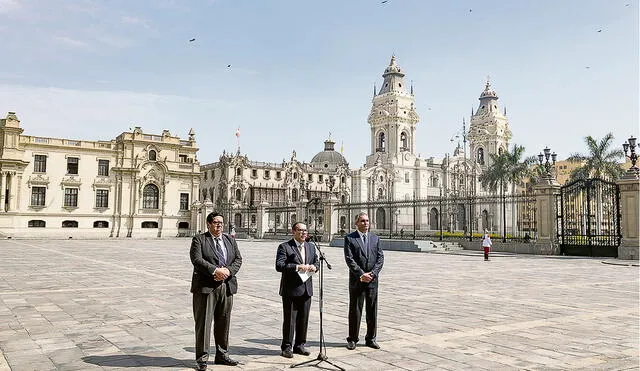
322 357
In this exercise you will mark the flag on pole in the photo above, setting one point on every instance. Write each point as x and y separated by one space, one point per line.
238 132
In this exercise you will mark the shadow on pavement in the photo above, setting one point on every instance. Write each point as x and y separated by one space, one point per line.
134 360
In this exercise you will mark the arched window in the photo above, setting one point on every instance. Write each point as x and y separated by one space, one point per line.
381 143
183 225
101 224
37 224
149 225
380 193
152 155
294 194
480 156
69 224
342 199
404 141
150 197
238 171
406 177
293 218
238 195
237 220
343 180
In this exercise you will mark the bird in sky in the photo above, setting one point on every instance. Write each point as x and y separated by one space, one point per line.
384 1
228 66
192 40
588 67
600 30
627 4
470 10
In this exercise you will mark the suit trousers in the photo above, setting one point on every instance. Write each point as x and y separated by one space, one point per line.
296 316
207 308
358 296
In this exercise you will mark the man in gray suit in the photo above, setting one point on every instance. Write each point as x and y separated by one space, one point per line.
364 258
216 261
296 258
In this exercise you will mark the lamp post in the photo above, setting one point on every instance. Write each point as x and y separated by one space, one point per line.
397 212
630 152
543 160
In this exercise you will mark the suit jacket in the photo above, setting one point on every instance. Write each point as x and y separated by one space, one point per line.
205 260
361 260
287 257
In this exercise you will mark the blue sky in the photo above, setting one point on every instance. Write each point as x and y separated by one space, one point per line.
89 69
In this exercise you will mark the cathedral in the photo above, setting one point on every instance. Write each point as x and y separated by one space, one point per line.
393 170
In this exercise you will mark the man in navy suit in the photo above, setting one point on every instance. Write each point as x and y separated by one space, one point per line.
216 261
295 259
364 258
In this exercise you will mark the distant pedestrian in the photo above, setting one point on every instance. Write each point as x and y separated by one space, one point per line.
401 232
486 244
233 232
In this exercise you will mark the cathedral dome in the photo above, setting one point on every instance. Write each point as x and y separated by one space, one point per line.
488 92
328 159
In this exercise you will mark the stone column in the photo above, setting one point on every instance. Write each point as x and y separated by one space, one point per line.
330 218
262 219
630 216
546 216
3 188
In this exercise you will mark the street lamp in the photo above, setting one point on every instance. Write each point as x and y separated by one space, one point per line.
630 152
543 160
397 212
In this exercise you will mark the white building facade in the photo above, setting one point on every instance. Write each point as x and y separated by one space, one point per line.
136 185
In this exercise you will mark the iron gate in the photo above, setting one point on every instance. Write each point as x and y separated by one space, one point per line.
589 218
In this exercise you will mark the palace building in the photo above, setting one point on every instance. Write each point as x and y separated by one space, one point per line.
136 185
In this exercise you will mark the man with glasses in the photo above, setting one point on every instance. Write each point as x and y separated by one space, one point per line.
216 261
297 260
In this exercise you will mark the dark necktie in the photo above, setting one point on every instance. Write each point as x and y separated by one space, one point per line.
364 242
221 258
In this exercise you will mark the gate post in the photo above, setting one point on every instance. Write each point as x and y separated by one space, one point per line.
262 219
546 216
630 217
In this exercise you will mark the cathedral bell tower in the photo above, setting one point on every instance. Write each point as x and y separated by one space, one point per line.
393 120
489 129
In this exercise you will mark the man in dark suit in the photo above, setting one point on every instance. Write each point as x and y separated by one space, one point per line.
364 258
216 261
296 259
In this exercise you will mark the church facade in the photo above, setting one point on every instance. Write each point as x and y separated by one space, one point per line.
395 172
136 185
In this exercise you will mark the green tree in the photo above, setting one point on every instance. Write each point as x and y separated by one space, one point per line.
601 161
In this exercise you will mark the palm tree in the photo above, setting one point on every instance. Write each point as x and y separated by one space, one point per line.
506 168
600 162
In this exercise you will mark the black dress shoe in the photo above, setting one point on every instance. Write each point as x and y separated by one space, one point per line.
301 350
351 345
225 360
286 353
373 344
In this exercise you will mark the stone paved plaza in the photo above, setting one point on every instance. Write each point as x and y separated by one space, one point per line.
125 305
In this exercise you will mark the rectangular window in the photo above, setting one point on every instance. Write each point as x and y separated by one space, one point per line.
71 197
102 198
206 172
267 174
184 201
183 158
39 164
72 165
38 195
278 174
320 178
103 167
310 177
254 173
